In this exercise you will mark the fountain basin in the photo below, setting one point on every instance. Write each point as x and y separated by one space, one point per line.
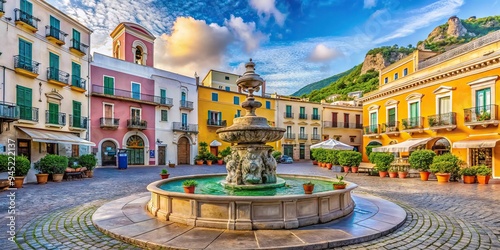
249 212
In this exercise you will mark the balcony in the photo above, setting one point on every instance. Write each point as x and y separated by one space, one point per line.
315 117
78 83
315 137
2 11
372 130
330 124
137 124
8 112
413 124
164 101
186 105
78 47
25 66
184 127
302 136
446 121
57 77
26 20
288 115
55 35
55 119
28 115
289 136
109 123
303 116
483 115
216 123
121 94
391 128
342 125
78 123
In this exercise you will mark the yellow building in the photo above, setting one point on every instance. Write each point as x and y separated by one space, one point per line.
226 81
217 108
342 121
446 102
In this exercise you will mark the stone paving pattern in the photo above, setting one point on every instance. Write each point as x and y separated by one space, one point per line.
440 216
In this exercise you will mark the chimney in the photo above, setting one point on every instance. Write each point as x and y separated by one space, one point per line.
197 78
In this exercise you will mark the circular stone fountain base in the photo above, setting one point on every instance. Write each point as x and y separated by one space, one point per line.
279 183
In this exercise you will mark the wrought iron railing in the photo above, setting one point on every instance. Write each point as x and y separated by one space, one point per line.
57 75
55 33
413 123
216 123
9 111
446 119
75 44
290 136
186 104
26 18
98 89
372 129
78 82
302 116
184 127
390 127
109 122
137 123
315 137
315 117
288 115
26 63
78 121
302 136
480 113
55 118
164 101
28 113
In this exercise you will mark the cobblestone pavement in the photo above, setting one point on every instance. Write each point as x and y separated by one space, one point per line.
440 216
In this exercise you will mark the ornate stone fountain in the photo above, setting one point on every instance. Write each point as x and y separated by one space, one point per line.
251 164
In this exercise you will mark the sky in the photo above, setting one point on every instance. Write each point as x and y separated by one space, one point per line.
292 42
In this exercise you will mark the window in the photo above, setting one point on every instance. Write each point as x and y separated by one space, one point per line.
414 114
288 113
53 113
396 76
391 117
346 120
214 117
184 120
136 91
238 114
302 110
288 130
373 122
135 114
334 119
386 80
315 131
268 105
53 66
108 111
358 121
315 114
483 98
183 96
25 50
109 85
164 116
55 26
163 96
75 75
215 97
77 114
228 88
139 55
236 100
405 72
23 98
444 105
76 39
302 130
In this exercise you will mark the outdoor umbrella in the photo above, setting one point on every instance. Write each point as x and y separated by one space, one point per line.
332 144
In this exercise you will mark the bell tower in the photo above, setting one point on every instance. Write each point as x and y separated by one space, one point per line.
133 43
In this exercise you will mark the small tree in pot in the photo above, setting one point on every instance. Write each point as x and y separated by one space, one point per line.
468 174
55 165
442 170
350 159
42 176
453 168
23 166
483 174
382 162
421 160
88 162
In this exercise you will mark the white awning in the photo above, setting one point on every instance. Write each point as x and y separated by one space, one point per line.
55 137
476 143
215 143
405 146
332 144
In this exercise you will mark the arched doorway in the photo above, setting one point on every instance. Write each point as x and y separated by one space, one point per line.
108 153
135 150
183 151
441 146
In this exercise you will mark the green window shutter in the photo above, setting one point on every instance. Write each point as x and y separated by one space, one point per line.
163 96
392 117
24 54
75 72
220 117
53 113
27 7
76 39
77 114
288 109
53 61
109 85
55 26
24 99
315 111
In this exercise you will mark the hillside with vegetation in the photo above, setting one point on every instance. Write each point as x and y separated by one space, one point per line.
320 84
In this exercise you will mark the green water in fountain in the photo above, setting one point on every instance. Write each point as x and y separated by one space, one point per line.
212 186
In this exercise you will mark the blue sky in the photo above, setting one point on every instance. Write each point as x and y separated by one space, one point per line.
293 42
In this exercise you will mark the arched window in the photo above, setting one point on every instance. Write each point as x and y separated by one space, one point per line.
441 146
116 51
139 55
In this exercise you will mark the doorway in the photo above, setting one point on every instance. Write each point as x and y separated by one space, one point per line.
288 150
214 150
24 148
302 151
161 155
108 153
135 150
183 151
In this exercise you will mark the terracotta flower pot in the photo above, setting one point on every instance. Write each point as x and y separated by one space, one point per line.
443 177
189 190
171 165
481 179
18 181
220 162
57 177
424 175
329 165
469 179
354 169
393 174
308 189
89 173
346 169
402 174
382 174
199 162
209 162
164 176
339 186
42 178
315 162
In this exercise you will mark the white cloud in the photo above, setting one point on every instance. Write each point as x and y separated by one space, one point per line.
266 9
246 33
322 53
368 4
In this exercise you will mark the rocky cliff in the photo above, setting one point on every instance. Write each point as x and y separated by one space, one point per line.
378 61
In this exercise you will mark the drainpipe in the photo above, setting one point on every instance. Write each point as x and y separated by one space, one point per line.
88 95
3 85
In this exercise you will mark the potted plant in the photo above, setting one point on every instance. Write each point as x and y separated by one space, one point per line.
483 174
23 166
455 162
4 167
88 163
227 151
308 187
421 160
442 170
313 156
339 183
402 172
55 165
432 121
171 164
405 124
198 159
220 160
349 159
321 157
382 162
393 172
189 186
330 158
209 158
469 174
164 174
276 154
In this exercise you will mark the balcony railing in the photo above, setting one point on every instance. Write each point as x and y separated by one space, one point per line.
481 114
390 127
289 136
372 129
164 101
9 111
109 122
28 113
303 116
216 123
288 115
55 118
315 137
57 75
56 33
302 136
413 123
137 123
25 63
315 117
22 16
329 124
186 105
447 119
98 89
77 45
78 122
184 127
78 82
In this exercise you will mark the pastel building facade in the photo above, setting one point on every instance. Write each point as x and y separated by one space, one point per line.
343 121
44 63
227 81
449 103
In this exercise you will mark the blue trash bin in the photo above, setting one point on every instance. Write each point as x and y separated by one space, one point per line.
122 159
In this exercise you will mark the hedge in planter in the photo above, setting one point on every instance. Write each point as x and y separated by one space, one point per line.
349 158
421 159
55 165
4 163
454 167
381 160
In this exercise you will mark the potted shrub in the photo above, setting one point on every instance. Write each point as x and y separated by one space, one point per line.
88 163
329 158
189 186
55 165
442 170
23 166
4 167
402 172
42 177
393 172
220 160
198 159
455 162
321 157
209 158
276 154
308 187
468 174
350 159
421 160
164 174
171 164
313 156
483 174
339 183
344 160
382 162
